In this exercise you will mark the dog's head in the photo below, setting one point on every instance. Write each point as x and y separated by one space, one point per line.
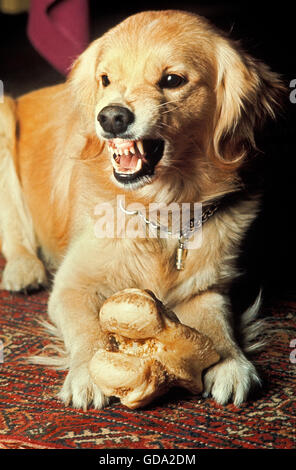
175 101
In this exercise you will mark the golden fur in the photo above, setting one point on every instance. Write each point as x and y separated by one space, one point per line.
62 170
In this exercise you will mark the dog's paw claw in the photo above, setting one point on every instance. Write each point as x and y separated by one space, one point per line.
80 391
230 380
24 272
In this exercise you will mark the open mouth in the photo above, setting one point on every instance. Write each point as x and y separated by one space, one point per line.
134 160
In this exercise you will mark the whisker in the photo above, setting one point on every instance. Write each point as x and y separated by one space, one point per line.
164 124
165 112
156 106
165 103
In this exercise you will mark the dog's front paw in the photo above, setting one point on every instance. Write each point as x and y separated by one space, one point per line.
23 272
80 391
231 379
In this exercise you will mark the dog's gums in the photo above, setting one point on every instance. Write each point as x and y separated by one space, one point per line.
134 160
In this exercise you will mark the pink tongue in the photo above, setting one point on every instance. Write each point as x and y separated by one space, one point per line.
128 162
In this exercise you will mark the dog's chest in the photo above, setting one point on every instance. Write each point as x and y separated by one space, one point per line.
151 264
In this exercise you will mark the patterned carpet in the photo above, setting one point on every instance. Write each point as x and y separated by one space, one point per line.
32 417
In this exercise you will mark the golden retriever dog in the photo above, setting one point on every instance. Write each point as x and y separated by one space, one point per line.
160 109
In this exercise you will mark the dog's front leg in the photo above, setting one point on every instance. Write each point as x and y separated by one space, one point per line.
232 377
74 308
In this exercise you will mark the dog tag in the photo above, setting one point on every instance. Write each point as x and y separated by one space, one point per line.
181 256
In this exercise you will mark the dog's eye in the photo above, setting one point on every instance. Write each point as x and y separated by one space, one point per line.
105 80
171 80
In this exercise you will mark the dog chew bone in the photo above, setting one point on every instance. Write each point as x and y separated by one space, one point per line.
149 350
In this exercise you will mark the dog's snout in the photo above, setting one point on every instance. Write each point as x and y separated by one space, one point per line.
115 119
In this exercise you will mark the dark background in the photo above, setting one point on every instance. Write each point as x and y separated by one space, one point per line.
267 31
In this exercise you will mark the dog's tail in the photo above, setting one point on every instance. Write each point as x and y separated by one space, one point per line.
253 331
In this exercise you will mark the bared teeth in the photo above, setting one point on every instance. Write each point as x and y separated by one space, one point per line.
139 165
140 147
121 147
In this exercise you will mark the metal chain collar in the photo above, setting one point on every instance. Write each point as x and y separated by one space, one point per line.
184 236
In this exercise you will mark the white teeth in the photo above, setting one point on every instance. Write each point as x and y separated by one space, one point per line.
133 149
140 147
139 165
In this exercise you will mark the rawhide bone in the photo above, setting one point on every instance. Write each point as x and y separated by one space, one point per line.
149 350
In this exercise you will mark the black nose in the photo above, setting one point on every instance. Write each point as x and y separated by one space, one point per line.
115 119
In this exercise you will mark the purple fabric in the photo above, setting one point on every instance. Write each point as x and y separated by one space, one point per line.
59 30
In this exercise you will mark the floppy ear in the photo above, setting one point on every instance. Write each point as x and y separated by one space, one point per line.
247 92
82 79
